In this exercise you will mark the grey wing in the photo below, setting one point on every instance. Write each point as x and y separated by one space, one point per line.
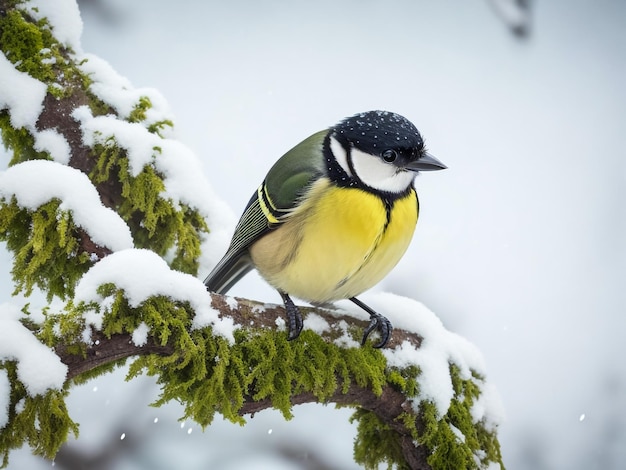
236 263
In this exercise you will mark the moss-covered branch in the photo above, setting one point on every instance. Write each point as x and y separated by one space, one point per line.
263 370
157 218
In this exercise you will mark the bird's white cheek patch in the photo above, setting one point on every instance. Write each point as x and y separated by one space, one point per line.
380 175
340 155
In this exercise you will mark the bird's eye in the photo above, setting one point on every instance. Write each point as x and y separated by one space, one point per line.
390 155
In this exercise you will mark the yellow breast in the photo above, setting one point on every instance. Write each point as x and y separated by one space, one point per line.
336 244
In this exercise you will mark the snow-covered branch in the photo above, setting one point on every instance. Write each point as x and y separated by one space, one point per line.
419 388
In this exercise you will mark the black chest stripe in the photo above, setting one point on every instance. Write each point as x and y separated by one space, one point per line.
388 208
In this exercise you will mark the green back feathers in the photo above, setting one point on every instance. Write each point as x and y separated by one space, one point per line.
295 171
281 191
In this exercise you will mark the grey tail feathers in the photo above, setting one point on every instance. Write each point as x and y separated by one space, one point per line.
227 273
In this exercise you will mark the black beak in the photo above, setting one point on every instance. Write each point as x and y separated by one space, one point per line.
425 163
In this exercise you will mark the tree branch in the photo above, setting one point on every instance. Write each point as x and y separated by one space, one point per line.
388 406
106 350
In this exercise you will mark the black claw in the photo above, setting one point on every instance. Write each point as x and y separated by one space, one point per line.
383 325
377 322
294 317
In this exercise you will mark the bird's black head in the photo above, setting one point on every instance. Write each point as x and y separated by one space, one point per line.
374 132
379 150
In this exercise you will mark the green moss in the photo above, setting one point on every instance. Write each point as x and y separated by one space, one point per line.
447 450
19 141
96 105
64 328
41 421
405 380
208 374
45 247
155 222
32 48
214 376
376 443
139 114
22 41
159 126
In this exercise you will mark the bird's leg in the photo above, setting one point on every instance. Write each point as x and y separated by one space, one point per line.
294 317
377 322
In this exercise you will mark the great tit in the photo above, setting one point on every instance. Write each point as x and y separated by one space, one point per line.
333 216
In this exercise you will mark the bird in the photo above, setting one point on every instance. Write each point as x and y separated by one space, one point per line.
332 217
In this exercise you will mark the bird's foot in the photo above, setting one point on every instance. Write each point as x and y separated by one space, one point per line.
377 322
294 317
383 325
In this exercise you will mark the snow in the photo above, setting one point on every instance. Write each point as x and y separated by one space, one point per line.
63 17
20 94
231 302
439 348
5 396
118 92
36 182
281 324
488 407
133 137
49 140
20 405
457 432
316 323
345 340
183 176
140 335
142 274
38 367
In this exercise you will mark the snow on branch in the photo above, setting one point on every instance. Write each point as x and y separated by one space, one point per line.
141 274
34 183
38 368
